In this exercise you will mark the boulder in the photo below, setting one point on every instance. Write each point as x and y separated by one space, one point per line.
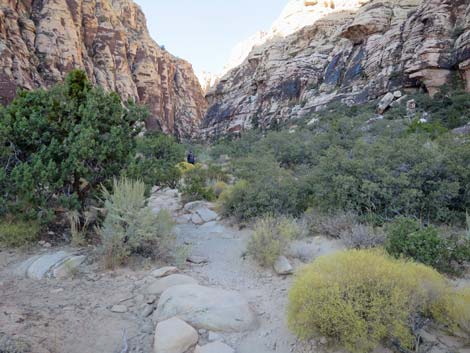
196 219
208 308
162 284
216 347
164 271
174 336
190 207
206 214
282 266
385 102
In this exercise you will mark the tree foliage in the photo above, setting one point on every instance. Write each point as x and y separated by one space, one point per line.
57 145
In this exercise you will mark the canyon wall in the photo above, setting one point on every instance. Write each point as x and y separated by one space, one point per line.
354 51
41 41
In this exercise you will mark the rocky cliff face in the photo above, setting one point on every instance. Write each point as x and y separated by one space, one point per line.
40 41
356 51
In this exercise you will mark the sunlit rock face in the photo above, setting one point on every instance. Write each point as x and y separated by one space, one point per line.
41 41
352 51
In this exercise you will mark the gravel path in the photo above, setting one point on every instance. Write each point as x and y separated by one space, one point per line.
228 268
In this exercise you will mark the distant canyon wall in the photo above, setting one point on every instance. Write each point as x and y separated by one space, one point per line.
354 51
41 41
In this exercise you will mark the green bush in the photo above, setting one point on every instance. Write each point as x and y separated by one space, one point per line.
15 234
344 162
359 298
58 145
131 228
156 161
196 185
406 237
271 237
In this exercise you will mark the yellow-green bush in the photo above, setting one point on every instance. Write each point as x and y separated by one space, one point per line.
18 233
270 238
184 167
359 298
219 188
453 310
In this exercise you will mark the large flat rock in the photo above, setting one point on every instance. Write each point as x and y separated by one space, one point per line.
160 285
207 308
60 264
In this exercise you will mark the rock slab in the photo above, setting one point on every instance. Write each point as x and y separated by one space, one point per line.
162 284
208 308
282 266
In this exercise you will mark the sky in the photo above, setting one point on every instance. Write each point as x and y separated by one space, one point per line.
205 31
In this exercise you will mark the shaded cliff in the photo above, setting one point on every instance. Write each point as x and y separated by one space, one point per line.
40 41
357 51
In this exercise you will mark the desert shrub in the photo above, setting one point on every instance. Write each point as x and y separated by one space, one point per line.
268 195
345 162
156 160
449 107
359 298
453 310
219 188
17 233
270 238
131 228
60 144
362 236
185 167
406 237
196 185
331 225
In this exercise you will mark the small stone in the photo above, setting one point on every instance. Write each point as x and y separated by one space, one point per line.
164 271
120 309
282 266
47 245
197 260
41 242
397 94
174 336
323 340
147 310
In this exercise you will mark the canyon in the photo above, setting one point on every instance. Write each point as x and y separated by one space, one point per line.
353 52
41 41
315 53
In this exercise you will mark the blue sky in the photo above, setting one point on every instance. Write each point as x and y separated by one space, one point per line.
204 31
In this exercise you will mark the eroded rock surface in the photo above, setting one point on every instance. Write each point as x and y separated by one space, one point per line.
355 52
41 41
207 308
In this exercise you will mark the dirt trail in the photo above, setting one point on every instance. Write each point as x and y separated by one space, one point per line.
228 268
75 316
